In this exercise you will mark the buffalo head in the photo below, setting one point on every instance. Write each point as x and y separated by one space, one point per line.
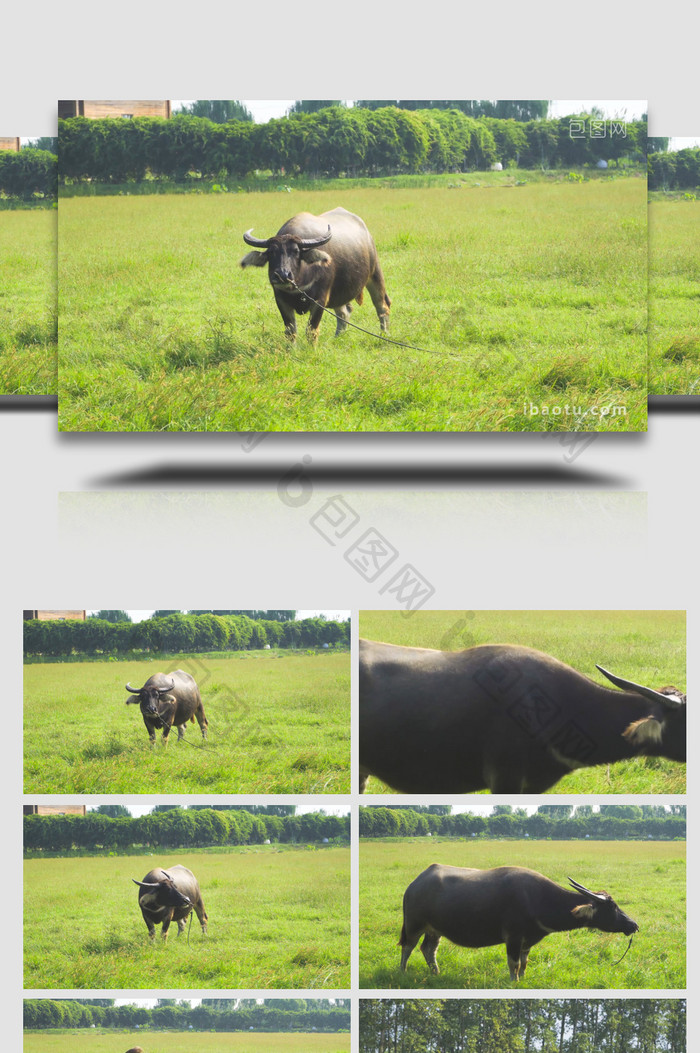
148 697
287 256
602 912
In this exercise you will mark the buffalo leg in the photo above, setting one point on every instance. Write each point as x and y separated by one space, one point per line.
180 732
151 729
407 948
429 946
166 730
514 950
342 314
381 301
364 776
523 960
202 720
288 317
315 316
202 915
166 924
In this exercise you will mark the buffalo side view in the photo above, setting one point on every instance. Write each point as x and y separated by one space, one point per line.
170 895
167 700
511 905
501 717
333 275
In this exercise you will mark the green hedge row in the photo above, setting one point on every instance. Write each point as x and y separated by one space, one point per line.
332 142
28 174
178 828
177 634
674 171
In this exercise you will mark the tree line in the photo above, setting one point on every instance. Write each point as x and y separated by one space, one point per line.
178 634
29 175
557 1025
555 822
336 141
214 1014
679 170
177 827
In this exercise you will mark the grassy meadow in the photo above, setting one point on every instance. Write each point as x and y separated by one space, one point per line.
645 646
28 302
277 919
646 879
276 725
522 295
674 296
98 1041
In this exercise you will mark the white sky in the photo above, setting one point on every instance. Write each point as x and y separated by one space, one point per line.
265 109
678 143
341 616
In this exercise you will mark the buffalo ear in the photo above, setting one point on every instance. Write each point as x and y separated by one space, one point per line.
645 732
255 259
316 256
133 701
586 912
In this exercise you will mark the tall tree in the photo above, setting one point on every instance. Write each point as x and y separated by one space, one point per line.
218 110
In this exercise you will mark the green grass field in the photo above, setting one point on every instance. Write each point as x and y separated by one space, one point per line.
647 880
645 646
276 725
276 920
528 295
674 297
28 302
97 1041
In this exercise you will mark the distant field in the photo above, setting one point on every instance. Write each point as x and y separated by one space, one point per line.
674 297
645 646
523 295
28 302
276 725
647 880
276 920
79 1040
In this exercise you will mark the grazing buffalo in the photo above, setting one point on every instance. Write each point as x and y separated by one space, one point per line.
500 717
511 905
169 895
135 1049
167 700
300 270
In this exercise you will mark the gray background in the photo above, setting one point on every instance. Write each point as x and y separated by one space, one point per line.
501 521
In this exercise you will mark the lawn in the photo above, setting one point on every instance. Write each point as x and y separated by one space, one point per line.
276 725
277 919
645 646
28 302
523 297
647 880
674 296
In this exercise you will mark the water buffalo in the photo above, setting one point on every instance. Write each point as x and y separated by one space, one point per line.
511 905
135 1049
167 700
169 895
333 275
501 717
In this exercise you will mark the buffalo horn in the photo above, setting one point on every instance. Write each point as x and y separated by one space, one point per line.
585 891
310 243
146 884
257 243
164 690
669 701
134 691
